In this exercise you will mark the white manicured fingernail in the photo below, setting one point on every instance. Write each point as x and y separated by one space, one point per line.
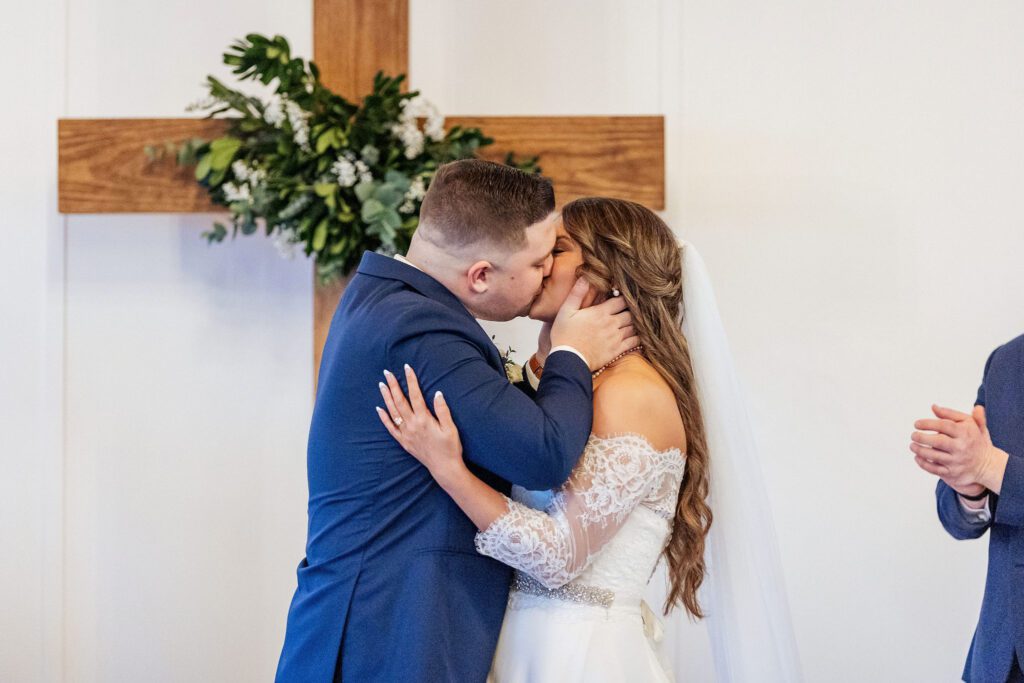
439 395
387 373
382 385
407 367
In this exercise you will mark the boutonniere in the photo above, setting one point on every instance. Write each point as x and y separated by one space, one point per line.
513 371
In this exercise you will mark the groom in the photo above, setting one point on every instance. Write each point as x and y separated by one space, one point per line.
391 588
979 459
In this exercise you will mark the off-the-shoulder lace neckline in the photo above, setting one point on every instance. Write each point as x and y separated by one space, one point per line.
624 436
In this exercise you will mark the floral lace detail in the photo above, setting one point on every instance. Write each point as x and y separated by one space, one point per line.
614 476
529 537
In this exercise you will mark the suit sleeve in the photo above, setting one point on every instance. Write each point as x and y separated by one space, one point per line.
957 521
531 442
1008 506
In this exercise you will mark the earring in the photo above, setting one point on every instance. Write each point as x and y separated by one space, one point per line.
616 292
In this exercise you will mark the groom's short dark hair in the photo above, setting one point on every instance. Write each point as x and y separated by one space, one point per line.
472 201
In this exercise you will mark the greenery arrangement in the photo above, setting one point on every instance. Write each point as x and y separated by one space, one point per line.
319 173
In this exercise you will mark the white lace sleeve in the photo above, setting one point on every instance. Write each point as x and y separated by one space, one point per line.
613 476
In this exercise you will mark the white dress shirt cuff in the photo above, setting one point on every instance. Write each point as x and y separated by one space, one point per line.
977 515
570 350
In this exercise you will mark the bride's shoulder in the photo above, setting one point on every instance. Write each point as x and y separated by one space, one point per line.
634 398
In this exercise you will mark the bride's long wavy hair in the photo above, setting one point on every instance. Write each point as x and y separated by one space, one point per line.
626 246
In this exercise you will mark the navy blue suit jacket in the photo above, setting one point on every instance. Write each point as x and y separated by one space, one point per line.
1000 630
391 588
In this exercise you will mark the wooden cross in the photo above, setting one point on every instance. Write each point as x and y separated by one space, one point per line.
102 167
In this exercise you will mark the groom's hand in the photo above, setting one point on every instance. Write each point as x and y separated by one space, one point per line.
957 447
599 332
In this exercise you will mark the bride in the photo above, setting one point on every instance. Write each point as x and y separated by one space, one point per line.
642 490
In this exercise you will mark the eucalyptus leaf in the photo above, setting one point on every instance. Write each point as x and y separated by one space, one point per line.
389 196
372 209
365 190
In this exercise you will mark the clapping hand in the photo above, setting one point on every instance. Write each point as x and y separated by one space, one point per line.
957 448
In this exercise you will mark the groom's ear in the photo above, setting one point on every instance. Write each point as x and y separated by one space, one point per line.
479 276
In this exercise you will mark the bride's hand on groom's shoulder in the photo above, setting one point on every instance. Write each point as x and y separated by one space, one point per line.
434 441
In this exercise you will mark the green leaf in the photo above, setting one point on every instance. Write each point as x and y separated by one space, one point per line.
323 142
371 210
325 189
203 168
222 151
391 219
338 246
320 235
389 196
365 190
398 180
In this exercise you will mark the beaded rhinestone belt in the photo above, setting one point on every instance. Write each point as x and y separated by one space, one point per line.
570 592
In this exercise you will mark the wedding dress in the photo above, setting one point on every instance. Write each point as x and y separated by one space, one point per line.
583 556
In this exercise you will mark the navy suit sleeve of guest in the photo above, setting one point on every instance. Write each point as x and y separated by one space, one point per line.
955 520
953 517
531 442
1009 504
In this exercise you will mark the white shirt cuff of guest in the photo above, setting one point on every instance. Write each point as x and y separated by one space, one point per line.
979 515
570 349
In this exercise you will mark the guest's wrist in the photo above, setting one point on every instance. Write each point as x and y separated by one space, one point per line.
975 502
994 468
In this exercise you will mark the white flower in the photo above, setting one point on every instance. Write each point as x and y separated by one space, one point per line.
236 193
286 242
364 171
407 129
297 119
273 113
248 174
279 108
346 172
411 137
240 170
417 190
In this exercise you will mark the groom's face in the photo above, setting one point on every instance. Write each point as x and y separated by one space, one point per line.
566 262
518 277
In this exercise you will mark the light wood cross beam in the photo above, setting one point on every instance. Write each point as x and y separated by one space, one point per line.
102 167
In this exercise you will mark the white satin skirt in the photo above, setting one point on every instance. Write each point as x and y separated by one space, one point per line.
544 640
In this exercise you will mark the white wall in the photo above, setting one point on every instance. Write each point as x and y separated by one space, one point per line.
188 387
851 172
846 170
31 364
